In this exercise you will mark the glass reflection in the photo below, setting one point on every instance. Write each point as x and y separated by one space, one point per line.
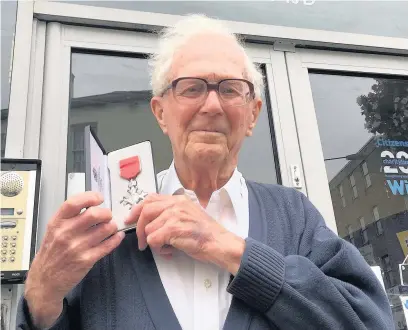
112 94
363 125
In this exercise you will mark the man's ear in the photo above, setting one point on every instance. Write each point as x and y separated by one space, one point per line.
156 104
255 111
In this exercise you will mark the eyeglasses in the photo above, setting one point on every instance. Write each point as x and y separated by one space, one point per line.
193 91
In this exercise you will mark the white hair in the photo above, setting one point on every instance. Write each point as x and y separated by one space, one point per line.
173 38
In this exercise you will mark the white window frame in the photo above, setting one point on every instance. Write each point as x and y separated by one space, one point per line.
366 174
364 234
299 63
376 213
343 199
377 220
79 129
353 186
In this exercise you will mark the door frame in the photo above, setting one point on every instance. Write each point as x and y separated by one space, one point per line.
298 64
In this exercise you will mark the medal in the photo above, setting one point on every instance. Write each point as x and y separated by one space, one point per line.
129 169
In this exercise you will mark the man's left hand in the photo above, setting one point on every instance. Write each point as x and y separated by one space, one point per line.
167 222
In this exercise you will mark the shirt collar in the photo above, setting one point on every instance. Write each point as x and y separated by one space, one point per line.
234 187
171 183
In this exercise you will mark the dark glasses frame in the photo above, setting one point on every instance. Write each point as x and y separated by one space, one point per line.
211 86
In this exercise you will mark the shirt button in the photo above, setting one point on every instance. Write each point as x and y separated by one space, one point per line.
207 283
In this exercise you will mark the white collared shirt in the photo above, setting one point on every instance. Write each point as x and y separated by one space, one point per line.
197 290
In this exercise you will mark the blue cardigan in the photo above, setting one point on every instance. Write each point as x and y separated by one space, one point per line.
295 274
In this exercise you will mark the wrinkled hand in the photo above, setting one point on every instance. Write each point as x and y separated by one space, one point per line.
72 244
175 222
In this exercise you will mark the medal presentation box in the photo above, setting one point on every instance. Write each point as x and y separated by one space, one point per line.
124 177
20 186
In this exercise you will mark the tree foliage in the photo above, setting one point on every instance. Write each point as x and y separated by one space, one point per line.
386 108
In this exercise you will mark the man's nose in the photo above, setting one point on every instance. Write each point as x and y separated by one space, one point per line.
212 104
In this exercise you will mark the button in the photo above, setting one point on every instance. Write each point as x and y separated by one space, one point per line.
207 283
4 244
3 259
12 244
12 259
3 251
19 211
12 251
14 237
5 238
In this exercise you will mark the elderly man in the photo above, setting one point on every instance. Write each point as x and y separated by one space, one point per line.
212 250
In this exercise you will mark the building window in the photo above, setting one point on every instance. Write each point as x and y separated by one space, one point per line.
351 235
377 220
353 186
364 234
387 271
343 200
76 146
366 174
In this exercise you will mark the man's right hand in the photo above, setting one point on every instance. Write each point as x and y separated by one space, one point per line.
72 244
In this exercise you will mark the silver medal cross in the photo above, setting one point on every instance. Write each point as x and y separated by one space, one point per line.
134 194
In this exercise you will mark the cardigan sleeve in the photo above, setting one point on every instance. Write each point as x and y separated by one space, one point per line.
69 318
330 287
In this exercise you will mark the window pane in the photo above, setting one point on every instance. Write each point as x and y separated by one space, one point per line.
257 153
376 213
112 94
310 14
365 169
379 227
368 180
8 25
352 181
355 193
362 223
367 116
365 236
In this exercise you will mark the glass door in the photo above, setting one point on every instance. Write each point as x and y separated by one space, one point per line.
352 117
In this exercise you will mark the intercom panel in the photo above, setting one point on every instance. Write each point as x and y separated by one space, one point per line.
19 189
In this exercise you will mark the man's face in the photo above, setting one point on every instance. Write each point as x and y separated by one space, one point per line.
209 131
